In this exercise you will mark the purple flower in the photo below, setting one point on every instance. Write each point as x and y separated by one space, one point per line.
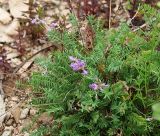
84 72
53 25
78 65
81 63
75 66
99 86
33 21
94 86
71 58
37 20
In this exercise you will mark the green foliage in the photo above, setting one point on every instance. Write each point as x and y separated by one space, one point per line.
156 111
128 61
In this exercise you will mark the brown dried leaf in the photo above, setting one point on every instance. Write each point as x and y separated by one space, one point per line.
17 7
12 55
4 16
6 31
88 36
25 67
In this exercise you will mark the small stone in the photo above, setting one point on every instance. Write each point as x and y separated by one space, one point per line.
18 125
11 56
32 112
16 62
6 100
8 115
9 128
24 113
16 131
20 121
15 99
7 133
12 104
14 125
9 122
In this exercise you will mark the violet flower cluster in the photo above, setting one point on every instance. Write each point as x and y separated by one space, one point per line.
78 65
38 21
98 86
53 25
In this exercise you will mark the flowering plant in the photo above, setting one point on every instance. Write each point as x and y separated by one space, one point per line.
78 65
43 24
105 91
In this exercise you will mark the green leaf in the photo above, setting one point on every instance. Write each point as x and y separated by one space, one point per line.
95 116
156 111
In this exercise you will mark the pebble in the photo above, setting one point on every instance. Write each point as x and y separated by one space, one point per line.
15 99
8 115
9 128
12 104
6 100
9 122
16 131
24 113
14 125
32 112
7 133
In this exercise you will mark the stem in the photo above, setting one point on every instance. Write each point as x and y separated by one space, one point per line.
72 11
145 79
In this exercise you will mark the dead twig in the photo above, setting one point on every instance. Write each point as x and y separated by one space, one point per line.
110 12
18 67
72 11
135 15
1 89
140 27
